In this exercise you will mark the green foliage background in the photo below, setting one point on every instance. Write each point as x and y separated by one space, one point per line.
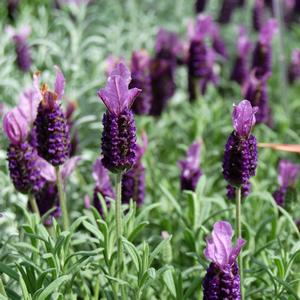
80 263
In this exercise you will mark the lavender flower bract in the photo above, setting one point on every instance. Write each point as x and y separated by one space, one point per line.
190 171
240 156
53 137
222 280
119 132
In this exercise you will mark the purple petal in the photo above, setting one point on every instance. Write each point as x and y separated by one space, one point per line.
132 94
236 250
59 86
243 118
15 126
100 175
69 166
267 32
122 71
203 27
47 171
243 44
288 173
192 161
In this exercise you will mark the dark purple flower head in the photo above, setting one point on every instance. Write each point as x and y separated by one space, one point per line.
12 6
119 132
255 90
227 8
222 280
15 126
168 45
190 170
258 14
231 190
52 130
241 69
200 6
103 185
294 67
133 181
140 72
243 118
201 29
24 60
240 156
288 173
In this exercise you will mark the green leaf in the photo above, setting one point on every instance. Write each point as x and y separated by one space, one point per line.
52 287
137 230
132 251
158 249
169 281
171 199
9 271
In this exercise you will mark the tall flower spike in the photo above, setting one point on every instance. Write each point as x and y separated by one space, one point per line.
119 132
262 55
222 279
258 14
190 171
240 156
24 60
288 174
217 41
255 90
240 69
133 182
227 8
52 130
200 6
103 185
140 71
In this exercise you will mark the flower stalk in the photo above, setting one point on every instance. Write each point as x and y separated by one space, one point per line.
62 199
33 204
119 221
238 224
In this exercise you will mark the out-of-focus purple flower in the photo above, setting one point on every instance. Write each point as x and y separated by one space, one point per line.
240 69
119 132
71 108
133 181
19 37
227 8
69 166
87 202
103 185
52 130
141 79
15 126
190 170
288 10
288 174
294 67
255 90
168 46
217 41
262 55
231 190
240 156
200 6
222 280
258 14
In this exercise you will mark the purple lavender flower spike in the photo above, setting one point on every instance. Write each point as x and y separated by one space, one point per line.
258 14
241 69
24 60
52 130
190 171
294 67
140 71
255 90
133 182
69 166
227 8
222 279
288 174
70 110
119 132
240 156
103 185
217 42
262 55
23 160
200 6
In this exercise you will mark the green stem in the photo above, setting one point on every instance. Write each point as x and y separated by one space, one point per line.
238 225
62 199
119 223
2 289
33 204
